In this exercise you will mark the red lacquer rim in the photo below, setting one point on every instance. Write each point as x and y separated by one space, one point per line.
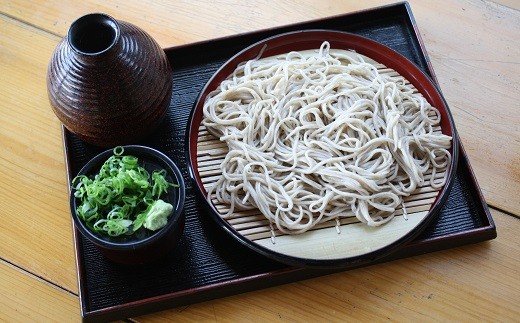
312 39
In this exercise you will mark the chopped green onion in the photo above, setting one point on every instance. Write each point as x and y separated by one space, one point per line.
118 200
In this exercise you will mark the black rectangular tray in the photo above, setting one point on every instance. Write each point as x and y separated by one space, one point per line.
208 263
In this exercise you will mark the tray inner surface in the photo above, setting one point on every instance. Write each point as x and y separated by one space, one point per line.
208 263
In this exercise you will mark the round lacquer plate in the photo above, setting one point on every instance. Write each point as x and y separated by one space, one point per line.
345 242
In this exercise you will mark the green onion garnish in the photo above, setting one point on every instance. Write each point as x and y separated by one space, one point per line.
122 197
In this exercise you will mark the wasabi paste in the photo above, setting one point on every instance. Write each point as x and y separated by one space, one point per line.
157 216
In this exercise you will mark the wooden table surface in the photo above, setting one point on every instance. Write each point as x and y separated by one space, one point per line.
474 46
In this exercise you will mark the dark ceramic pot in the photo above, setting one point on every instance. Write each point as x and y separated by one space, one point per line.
108 81
148 246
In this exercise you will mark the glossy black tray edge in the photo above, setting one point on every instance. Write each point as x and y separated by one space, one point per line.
275 278
184 297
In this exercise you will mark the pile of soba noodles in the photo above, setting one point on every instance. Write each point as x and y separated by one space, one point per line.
313 137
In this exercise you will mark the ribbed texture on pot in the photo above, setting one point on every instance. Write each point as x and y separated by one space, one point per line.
113 97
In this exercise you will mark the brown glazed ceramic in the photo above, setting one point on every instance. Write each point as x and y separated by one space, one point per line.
108 81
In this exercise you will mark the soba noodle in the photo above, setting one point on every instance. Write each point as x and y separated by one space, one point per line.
315 137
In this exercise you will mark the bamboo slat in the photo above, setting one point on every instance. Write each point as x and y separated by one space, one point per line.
211 153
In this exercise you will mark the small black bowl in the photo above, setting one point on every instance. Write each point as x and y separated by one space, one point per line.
143 248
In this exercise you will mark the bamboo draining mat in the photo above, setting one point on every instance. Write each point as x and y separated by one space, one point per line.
344 237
